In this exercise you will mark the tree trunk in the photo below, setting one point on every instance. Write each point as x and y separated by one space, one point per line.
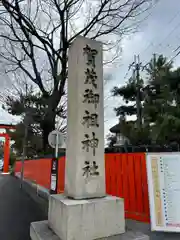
48 123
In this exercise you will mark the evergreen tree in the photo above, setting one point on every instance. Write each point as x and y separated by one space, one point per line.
160 100
32 106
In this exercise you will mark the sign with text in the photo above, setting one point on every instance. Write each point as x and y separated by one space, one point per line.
54 175
85 170
164 191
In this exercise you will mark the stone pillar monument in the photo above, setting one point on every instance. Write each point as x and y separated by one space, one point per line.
84 212
85 169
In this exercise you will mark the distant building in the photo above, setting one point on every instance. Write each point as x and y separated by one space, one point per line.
121 140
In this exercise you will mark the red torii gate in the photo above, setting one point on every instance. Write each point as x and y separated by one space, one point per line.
6 145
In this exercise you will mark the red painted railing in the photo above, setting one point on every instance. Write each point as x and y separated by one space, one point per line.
126 177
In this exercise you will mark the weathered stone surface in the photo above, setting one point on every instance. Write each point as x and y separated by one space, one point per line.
41 231
85 80
86 219
130 235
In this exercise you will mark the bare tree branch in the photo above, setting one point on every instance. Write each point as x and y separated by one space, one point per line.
36 36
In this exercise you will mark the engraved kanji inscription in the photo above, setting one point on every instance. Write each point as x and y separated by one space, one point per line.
90 169
91 54
90 119
91 77
91 97
90 143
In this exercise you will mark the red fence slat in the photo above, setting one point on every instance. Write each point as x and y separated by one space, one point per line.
126 186
108 173
119 176
113 176
61 174
138 181
132 195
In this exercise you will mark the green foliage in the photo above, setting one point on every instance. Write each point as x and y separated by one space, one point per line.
128 93
33 140
12 158
160 101
1 149
33 107
111 140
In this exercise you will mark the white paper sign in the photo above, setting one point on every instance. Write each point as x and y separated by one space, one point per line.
164 191
53 182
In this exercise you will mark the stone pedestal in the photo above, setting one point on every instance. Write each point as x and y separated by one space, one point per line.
86 219
100 219
41 231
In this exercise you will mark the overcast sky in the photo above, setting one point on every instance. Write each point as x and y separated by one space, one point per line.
158 33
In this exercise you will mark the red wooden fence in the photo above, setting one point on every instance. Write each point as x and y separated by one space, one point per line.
36 170
126 177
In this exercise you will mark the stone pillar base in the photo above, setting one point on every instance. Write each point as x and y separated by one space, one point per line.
99 218
86 219
41 231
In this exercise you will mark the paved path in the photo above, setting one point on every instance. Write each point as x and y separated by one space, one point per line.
145 228
17 210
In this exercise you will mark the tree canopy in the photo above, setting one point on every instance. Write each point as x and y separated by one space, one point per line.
159 98
31 107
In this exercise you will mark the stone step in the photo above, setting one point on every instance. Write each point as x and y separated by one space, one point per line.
41 231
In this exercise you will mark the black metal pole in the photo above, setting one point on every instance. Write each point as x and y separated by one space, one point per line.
54 169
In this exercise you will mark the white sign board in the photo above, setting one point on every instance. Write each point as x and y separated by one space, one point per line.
164 191
53 182
55 136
